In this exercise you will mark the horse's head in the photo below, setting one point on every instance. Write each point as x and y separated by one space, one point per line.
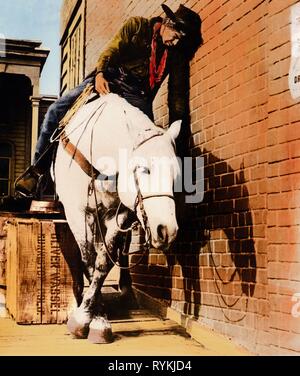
150 176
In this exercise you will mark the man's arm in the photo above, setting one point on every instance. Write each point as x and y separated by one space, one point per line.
113 52
178 87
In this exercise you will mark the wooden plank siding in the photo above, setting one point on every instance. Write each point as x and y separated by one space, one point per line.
72 50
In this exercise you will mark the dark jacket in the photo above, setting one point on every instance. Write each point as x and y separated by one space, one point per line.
130 49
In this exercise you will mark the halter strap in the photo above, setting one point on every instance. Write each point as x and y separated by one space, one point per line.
147 139
140 202
157 195
140 198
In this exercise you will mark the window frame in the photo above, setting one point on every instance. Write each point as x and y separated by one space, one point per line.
10 159
73 50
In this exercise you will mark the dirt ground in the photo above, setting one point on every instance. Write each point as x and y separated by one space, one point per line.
139 335
137 332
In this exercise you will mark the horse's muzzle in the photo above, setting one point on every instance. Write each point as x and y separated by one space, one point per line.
164 237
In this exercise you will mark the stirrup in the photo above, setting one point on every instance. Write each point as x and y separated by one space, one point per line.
32 195
29 170
35 175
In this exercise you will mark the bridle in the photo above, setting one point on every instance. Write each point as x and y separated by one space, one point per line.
140 198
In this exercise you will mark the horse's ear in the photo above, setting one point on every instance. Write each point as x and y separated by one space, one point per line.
174 129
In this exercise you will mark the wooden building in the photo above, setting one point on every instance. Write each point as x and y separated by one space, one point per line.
21 107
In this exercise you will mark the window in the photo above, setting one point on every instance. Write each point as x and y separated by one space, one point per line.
6 155
76 55
72 44
5 102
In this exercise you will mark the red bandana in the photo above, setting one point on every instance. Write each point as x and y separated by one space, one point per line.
156 73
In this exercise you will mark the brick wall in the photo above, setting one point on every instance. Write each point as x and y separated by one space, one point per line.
283 174
236 263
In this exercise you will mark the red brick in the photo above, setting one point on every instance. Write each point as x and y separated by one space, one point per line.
261 276
290 341
278 270
161 260
294 271
177 271
279 153
288 133
258 172
207 273
280 321
177 294
178 283
279 201
276 7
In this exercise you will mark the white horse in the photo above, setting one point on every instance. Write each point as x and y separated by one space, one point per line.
103 134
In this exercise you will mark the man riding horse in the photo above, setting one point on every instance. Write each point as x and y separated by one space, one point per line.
134 65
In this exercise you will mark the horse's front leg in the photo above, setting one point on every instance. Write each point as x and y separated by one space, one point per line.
100 330
79 320
81 226
92 307
91 311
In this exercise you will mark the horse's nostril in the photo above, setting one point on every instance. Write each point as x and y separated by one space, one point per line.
162 232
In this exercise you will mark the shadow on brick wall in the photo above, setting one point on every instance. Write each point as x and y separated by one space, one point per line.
215 242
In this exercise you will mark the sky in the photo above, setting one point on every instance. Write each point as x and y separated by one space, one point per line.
36 20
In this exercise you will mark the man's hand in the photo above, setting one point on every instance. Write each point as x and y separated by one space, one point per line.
101 85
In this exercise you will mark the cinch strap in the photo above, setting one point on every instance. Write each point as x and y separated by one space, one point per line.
78 157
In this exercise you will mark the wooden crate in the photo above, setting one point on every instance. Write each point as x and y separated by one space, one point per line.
44 272
3 219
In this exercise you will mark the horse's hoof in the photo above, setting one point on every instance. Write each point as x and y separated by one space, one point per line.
78 329
100 331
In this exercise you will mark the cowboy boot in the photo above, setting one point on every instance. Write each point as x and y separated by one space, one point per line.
26 185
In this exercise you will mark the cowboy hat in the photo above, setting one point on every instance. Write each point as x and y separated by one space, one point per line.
185 20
